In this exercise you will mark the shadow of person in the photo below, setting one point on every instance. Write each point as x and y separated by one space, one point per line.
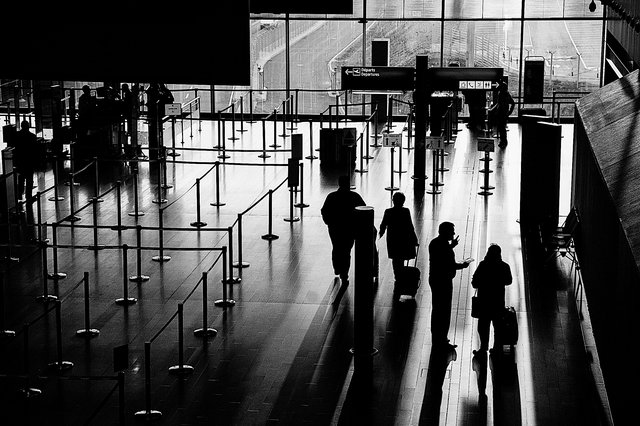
436 371
506 390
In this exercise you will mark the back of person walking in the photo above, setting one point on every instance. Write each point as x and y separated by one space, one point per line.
25 158
490 278
401 236
338 213
500 112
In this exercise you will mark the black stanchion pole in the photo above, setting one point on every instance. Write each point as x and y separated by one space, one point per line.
45 297
190 122
392 187
242 129
486 187
94 205
410 129
233 123
39 216
161 257
139 277
163 163
224 302
87 331
181 368
72 218
231 279
362 143
434 181
3 331
284 120
160 199
56 197
198 223
275 130
27 391
270 236
367 156
291 217
59 365
224 143
136 212
205 331
400 160
311 155
264 141
56 275
147 413
125 300
217 203
301 204
240 263
251 120
96 181
118 227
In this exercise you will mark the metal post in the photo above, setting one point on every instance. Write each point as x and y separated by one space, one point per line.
240 263
56 275
275 130
217 203
147 413
94 205
291 217
87 331
45 297
391 187
139 277
205 331
302 204
96 182
27 391
224 302
270 236
198 223
3 331
163 164
264 141
125 300
311 155
72 218
136 212
181 368
486 187
435 175
224 142
361 169
161 257
119 226
242 129
251 120
400 171
231 279
233 123
59 365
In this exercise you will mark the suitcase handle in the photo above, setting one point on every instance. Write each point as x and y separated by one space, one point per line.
415 260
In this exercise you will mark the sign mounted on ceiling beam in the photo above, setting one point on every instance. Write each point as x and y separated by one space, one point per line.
377 78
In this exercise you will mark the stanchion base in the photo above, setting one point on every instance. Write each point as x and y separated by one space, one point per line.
292 219
368 157
409 148
284 135
148 415
72 218
232 280
233 138
198 224
361 170
91 332
181 369
47 298
399 171
226 302
60 366
436 184
301 205
264 156
414 177
275 145
217 204
96 200
485 171
487 188
139 278
126 302
74 184
161 258
270 237
11 259
443 169
118 228
134 214
95 248
486 159
6 334
160 201
392 188
30 392
205 332
239 131
57 276
313 157
173 154
434 192
166 186
240 265
374 351
56 199
485 193
224 156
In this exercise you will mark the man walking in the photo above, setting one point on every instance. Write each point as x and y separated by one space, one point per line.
338 214
25 156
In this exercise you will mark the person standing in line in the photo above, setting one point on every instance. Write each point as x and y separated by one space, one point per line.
24 159
500 112
490 279
401 238
338 213
442 270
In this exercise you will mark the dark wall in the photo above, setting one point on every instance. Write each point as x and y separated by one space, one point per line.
622 31
611 279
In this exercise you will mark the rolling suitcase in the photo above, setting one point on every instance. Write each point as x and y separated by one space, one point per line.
508 329
409 279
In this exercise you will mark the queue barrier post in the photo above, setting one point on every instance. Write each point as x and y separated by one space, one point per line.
45 297
231 279
59 365
217 203
242 129
136 212
311 155
270 236
181 368
56 275
72 203
160 197
301 204
56 197
233 136
205 331
275 130
161 256
392 187
147 414
240 263
96 181
125 300
4 332
291 217
27 391
87 331
139 277
119 226
224 302
264 141
94 205
361 169
198 223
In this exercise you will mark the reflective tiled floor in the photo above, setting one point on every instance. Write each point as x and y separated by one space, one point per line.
281 354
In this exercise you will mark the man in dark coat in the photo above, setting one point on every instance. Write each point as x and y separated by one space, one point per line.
442 270
25 159
501 110
338 213
401 238
490 278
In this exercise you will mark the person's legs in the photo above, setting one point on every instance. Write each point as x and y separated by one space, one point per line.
397 265
21 183
341 252
502 133
28 184
441 311
483 332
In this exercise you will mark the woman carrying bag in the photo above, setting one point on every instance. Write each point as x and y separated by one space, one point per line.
490 279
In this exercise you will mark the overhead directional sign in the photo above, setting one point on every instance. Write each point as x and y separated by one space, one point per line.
391 140
377 78
457 78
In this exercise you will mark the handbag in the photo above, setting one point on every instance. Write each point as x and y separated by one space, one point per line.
476 306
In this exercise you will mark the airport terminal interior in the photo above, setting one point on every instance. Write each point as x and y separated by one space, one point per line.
172 266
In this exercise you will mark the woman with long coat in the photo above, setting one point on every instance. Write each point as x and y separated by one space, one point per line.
490 279
401 236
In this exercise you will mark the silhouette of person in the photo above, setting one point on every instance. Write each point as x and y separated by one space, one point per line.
154 116
401 236
442 270
86 111
500 112
338 213
490 278
25 159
